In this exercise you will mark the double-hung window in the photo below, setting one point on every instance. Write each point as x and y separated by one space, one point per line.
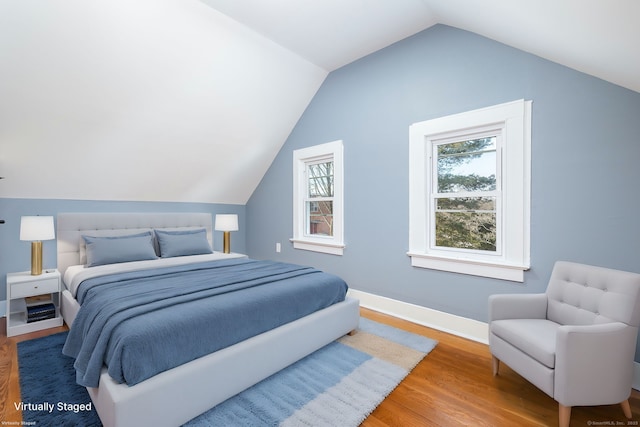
470 190
317 198
465 197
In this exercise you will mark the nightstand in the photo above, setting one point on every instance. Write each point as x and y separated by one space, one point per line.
33 302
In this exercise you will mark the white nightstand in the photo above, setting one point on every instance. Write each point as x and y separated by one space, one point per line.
21 286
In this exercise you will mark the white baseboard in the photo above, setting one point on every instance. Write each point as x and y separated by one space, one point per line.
450 323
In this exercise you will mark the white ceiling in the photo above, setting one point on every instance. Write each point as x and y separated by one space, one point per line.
190 100
597 37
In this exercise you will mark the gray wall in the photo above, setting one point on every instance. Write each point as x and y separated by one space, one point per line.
585 149
15 255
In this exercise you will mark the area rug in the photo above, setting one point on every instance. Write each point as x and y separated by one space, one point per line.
340 384
49 393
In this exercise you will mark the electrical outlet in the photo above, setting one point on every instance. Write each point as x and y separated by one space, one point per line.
278 247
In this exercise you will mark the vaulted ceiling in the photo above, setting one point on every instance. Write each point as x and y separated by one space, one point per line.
187 100
593 36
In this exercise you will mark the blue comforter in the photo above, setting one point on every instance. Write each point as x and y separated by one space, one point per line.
141 323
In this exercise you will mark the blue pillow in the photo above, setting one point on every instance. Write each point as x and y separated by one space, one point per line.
116 249
182 243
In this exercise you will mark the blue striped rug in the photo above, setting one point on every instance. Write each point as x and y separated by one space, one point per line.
338 385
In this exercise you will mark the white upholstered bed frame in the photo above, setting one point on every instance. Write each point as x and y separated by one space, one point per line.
173 397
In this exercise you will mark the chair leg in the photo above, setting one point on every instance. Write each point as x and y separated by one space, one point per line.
495 364
564 415
626 408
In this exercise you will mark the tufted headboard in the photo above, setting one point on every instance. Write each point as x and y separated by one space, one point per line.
71 227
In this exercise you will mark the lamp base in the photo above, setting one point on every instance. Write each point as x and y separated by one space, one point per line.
226 242
36 258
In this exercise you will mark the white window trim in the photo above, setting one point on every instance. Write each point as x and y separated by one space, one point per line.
514 118
333 245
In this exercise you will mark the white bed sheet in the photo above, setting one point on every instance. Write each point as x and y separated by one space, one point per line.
76 274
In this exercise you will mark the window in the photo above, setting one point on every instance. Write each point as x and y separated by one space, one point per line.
465 193
470 190
317 198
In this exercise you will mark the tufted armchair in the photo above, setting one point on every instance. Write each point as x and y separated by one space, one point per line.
577 341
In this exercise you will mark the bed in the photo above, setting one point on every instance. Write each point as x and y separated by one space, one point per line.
174 396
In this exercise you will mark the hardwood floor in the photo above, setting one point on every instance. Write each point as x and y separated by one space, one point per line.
452 386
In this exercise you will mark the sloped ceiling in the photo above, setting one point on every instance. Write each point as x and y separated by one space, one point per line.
148 100
187 100
593 36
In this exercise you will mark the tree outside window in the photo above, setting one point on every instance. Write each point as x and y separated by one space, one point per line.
319 212
465 197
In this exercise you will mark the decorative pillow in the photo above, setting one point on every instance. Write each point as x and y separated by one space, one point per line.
116 249
183 242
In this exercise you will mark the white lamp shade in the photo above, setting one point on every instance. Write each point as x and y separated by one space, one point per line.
35 228
226 222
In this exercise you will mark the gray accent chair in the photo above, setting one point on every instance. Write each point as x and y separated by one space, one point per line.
577 341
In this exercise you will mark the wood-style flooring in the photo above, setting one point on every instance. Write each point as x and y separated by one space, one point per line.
452 386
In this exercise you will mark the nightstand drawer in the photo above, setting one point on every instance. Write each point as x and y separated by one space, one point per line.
25 289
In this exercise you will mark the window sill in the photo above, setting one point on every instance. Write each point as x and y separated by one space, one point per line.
327 248
495 270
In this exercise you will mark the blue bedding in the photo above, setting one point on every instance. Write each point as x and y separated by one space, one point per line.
141 323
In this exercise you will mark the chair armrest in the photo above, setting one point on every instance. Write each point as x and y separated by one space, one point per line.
594 363
517 306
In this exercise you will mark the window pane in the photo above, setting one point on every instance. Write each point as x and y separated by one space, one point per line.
467 165
320 179
319 218
466 223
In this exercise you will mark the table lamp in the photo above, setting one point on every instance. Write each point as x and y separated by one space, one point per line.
36 229
226 223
